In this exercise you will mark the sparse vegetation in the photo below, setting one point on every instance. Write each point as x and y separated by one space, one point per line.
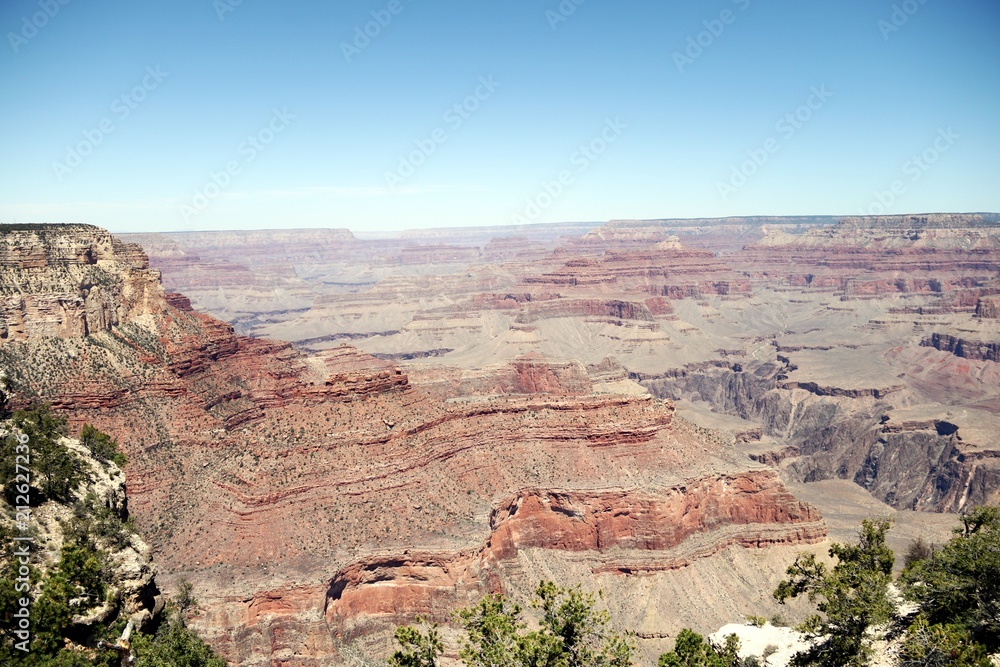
957 588
918 550
691 650
185 600
174 645
571 633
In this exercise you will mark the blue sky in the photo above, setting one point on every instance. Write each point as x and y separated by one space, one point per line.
228 114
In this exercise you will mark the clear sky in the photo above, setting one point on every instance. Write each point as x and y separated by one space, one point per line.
225 114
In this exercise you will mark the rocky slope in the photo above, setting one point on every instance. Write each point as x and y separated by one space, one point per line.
271 478
854 326
130 591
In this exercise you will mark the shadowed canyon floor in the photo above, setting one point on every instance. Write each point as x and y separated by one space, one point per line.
613 405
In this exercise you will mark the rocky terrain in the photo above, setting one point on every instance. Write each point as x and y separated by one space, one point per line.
127 591
316 499
460 411
854 348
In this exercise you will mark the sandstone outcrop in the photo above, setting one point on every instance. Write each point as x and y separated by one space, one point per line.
988 308
70 281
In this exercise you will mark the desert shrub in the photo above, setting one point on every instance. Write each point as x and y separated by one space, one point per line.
918 550
927 645
571 633
173 645
418 649
93 521
692 650
101 445
185 598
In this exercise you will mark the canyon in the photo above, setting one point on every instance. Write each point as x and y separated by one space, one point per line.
329 435
854 348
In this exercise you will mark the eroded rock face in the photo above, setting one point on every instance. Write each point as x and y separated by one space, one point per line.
988 308
70 281
965 347
624 531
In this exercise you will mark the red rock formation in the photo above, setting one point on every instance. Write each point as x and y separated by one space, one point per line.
624 531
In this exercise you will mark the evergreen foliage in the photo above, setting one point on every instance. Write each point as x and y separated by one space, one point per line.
571 633
691 650
938 645
101 445
55 471
79 581
174 645
960 583
851 597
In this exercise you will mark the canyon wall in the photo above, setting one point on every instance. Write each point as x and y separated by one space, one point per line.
257 470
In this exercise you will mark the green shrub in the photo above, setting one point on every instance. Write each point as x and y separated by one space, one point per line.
101 445
571 633
417 649
691 650
173 645
55 471
938 645
960 583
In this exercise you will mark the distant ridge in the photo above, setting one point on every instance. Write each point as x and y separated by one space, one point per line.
909 221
